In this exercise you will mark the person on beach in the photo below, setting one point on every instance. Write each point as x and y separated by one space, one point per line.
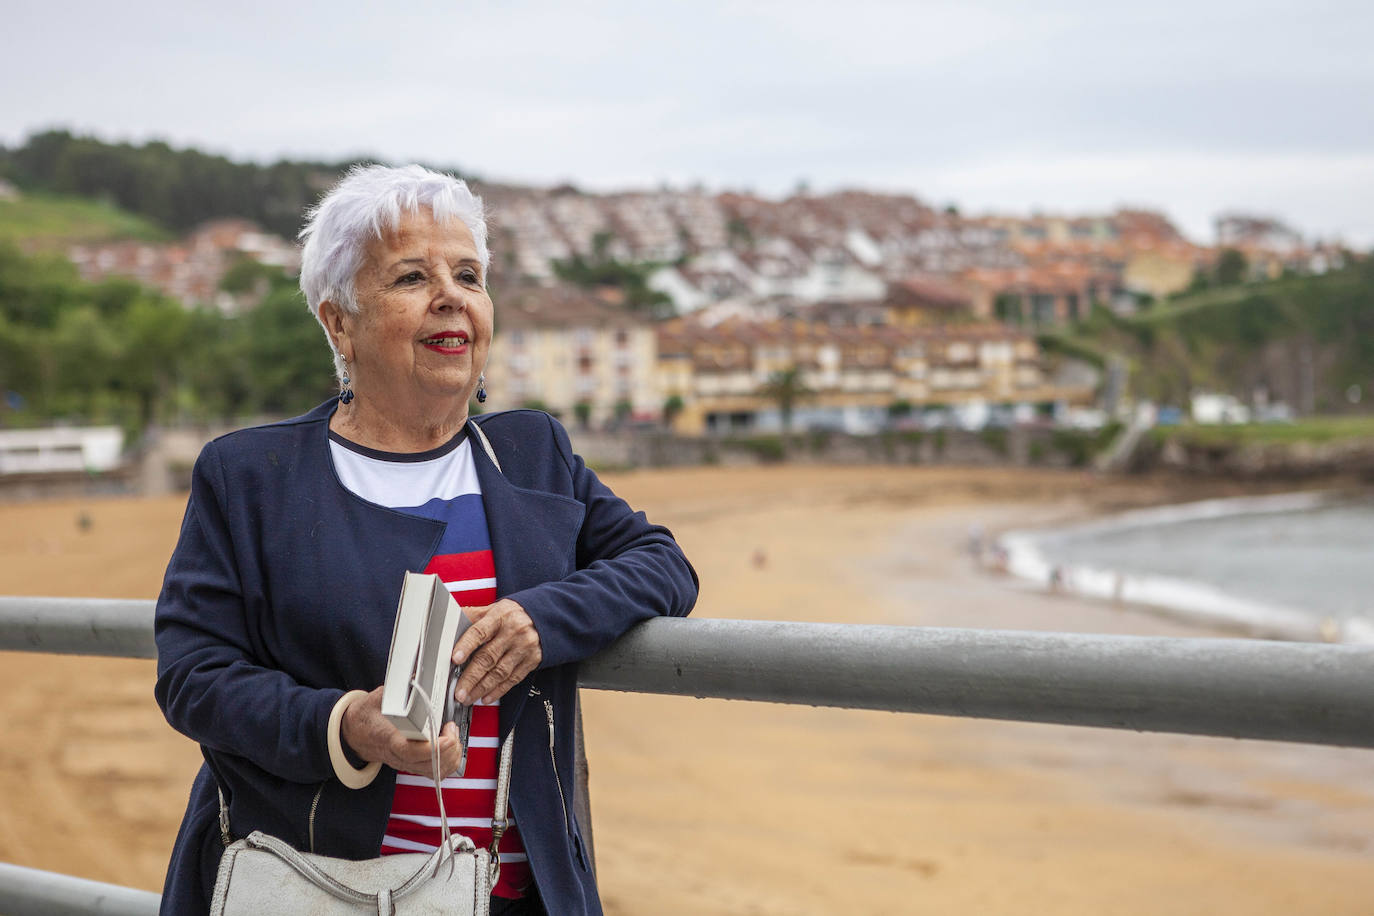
275 616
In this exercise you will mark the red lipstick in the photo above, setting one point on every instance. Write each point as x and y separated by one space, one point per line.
449 343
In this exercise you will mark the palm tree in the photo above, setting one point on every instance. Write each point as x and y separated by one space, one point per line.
787 388
673 406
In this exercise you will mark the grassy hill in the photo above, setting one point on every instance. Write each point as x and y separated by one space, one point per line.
49 222
1303 340
1318 430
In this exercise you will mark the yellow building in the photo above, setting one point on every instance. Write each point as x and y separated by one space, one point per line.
1161 271
851 375
575 355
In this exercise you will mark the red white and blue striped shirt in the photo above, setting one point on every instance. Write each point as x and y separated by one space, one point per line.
442 484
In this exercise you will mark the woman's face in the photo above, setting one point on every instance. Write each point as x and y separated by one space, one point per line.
423 329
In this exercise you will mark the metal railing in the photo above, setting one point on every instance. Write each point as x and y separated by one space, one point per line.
1238 688
31 892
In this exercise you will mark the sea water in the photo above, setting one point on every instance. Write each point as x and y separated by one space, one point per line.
1299 566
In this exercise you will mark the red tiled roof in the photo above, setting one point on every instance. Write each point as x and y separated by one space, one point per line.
927 291
560 307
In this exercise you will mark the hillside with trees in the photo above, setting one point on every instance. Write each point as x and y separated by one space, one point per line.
175 188
1303 341
116 352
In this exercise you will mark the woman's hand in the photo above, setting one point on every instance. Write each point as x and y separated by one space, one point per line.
372 737
497 651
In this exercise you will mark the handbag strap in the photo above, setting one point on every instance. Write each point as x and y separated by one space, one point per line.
486 445
499 821
306 867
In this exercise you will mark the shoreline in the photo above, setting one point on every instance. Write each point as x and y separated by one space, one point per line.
1020 553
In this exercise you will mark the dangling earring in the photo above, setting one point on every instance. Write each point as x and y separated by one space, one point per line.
482 388
346 396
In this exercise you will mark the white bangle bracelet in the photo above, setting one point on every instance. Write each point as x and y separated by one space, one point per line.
348 774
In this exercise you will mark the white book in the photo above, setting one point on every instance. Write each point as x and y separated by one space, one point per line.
428 624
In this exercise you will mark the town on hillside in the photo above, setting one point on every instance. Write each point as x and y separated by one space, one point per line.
875 308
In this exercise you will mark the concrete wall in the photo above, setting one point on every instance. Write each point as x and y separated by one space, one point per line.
1023 446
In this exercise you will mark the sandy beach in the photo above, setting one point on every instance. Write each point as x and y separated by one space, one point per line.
704 806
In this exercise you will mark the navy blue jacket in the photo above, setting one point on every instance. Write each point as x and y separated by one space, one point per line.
281 594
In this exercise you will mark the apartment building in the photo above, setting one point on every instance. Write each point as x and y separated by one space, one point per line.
851 374
1045 294
648 226
574 354
583 222
528 240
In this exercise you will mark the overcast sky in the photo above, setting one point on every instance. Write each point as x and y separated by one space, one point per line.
1190 107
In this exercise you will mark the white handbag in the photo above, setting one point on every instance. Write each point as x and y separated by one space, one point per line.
260 875
263 876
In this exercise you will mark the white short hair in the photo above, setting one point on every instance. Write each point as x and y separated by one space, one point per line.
363 206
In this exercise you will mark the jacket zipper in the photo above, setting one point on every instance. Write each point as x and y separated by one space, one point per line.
553 761
314 805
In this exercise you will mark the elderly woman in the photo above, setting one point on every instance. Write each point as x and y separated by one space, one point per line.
275 618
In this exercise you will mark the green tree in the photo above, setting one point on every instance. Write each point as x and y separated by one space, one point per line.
1200 282
786 388
24 368
85 352
289 368
219 381
154 345
35 290
739 234
1231 267
672 406
632 280
1008 308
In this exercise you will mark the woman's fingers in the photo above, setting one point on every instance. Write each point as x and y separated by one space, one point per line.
366 730
497 651
450 751
484 625
417 757
372 737
508 671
